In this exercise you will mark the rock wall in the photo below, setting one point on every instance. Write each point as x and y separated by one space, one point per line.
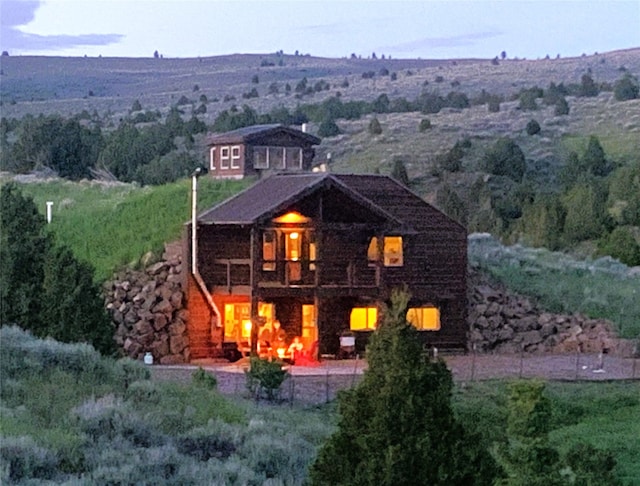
148 309
503 322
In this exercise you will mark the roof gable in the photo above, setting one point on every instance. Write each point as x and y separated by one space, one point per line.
253 132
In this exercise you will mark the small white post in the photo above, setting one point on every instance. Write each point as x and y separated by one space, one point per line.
49 211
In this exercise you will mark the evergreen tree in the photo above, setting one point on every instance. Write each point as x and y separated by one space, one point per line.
397 426
328 128
505 158
399 172
626 88
594 159
43 288
527 457
374 126
24 244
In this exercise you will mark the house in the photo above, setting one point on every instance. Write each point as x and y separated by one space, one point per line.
260 150
319 252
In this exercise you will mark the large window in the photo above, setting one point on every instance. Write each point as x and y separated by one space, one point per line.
392 251
363 318
424 318
266 157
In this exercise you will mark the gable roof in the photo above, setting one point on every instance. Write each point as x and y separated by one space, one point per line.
247 134
382 195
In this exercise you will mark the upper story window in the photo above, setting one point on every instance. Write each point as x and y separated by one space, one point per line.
392 251
293 157
363 318
225 157
235 157
271 157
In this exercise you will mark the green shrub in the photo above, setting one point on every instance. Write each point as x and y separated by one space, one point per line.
505 158
21 460
626 88
533 127
206 380
425 124
374 126
216 440
328 128
264 378
562 107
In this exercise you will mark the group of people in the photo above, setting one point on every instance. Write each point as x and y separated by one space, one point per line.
273 343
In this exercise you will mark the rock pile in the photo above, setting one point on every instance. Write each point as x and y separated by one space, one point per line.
148 310
503 322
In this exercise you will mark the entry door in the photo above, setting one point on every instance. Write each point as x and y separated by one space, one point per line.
293 254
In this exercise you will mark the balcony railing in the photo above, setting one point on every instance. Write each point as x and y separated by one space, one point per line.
301 273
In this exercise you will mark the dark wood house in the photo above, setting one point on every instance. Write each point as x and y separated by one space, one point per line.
260 150
320 252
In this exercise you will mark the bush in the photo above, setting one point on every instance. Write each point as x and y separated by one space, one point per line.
493 105
206 380
533 127
562 107
425 124
217 440
374 126
626 88
328 128
264 378
505 158
21 460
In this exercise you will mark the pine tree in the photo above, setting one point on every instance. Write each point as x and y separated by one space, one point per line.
397 426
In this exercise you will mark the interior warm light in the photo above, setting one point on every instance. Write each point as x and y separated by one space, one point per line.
280 352
291 217
294 235
247 325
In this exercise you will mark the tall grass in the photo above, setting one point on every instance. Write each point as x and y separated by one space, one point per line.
601 288
115 225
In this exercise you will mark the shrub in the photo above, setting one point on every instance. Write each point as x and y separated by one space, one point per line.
328 128
399 172
425 124
264 378
562 107
626 88
621 244
533 127
505 158
493 105
21 460
374 126
217 440
206 380
528 100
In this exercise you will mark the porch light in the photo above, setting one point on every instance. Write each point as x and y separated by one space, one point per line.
294 235
291 217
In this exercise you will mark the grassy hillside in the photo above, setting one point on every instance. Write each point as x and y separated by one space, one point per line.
112 225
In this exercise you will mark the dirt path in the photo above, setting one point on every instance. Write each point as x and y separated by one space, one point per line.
320 384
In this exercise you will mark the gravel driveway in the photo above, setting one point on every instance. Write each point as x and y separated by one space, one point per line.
320 384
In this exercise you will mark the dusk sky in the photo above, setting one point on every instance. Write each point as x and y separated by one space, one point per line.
331 28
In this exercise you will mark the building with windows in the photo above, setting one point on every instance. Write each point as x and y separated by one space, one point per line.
260 150
320 253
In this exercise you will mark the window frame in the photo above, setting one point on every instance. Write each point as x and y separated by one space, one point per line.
225 156
212 159
420 326
235 156
266 157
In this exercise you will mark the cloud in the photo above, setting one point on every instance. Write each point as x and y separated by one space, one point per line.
17 13
444 42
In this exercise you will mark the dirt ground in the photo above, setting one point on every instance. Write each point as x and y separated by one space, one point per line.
320 384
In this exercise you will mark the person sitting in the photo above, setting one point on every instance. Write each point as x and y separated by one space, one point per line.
296 349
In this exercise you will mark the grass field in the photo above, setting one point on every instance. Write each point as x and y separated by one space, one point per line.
115 225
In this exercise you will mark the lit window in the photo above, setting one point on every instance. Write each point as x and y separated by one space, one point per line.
225 156
269 251
424 318
312 251
235 157
392 250
212 158
293 246
363 318
261 157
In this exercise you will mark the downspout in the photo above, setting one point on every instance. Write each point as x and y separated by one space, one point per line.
194 248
